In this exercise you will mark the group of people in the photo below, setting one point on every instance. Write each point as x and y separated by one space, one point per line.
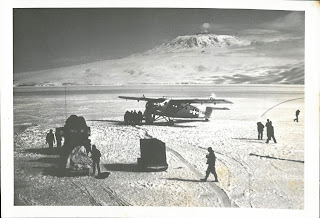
211 158
90 150
270 128
270 131
133 117
52 138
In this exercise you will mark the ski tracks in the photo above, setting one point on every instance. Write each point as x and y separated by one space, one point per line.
114 196
21 200
95 201
222 196
89 195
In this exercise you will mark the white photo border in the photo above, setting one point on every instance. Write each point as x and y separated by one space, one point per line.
312 95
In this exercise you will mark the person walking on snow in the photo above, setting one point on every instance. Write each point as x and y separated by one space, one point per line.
270 133
297 116
211 161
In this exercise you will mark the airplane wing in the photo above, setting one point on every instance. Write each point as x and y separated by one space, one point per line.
219 108
201 101
143 99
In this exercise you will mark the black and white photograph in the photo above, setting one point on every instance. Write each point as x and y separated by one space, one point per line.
159 107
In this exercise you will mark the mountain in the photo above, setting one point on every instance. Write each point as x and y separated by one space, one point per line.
199 41
200 58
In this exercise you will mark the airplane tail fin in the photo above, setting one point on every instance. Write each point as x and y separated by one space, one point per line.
212 96
208 112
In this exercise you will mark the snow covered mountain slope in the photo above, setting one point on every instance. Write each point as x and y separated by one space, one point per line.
202 58
199 41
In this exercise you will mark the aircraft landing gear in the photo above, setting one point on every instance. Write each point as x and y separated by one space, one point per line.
170 122
150 118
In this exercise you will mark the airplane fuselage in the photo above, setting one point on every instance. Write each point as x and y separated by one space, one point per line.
157 108
170 110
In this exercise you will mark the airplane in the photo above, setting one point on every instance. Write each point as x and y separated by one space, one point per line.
167 108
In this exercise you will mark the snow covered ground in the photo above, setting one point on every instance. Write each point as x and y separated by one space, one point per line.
251 173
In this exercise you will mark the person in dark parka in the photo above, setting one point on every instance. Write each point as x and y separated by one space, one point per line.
211 161
127 117
260 128
140 117
58 138
297 116
95 155
50 139
270 133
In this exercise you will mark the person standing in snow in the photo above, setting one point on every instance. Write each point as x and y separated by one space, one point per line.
50 139
58 138
135 118
127 117
260 128
95 155
297 116
140 117
211 161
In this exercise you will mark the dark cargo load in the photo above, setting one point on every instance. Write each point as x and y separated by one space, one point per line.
75 131
74 158
153 155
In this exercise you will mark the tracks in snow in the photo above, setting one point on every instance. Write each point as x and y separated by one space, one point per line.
222 196
95 201
114 196
92 198
226 160
20 200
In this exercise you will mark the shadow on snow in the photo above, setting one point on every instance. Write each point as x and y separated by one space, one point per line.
123 167
158 123
183 180
44 151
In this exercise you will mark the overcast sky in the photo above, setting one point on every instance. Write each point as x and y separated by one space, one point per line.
51 38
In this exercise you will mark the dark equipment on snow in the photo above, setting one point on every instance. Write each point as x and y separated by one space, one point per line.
75 133
153 155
